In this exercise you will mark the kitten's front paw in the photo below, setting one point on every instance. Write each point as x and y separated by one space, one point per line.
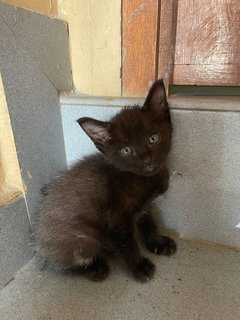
144 270
162 245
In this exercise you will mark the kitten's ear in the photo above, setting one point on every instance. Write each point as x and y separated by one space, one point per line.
156 98
98 131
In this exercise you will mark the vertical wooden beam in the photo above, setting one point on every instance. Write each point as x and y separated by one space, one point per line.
139 38
167 39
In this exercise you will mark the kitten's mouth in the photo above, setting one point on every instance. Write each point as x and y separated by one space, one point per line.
150 169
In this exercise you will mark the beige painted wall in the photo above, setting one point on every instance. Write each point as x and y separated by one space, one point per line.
10 176
95 44
48 7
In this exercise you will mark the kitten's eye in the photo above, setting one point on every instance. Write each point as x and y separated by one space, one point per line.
125 151
155 138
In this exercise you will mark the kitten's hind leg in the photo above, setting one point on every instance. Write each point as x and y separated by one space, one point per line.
154 242
95 269
88 258
98 270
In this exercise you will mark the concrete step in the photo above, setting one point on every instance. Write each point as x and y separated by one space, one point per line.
199 282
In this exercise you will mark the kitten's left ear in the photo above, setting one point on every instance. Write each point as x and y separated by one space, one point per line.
156 98
98 131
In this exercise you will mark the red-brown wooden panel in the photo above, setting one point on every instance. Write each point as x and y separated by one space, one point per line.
139 37
207 50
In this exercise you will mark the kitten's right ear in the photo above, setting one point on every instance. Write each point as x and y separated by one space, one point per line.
98 131
156 98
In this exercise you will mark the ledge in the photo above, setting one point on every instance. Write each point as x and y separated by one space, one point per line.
208 103
200 103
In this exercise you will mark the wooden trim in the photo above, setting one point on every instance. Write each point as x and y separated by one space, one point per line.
207 75
139 38
167 39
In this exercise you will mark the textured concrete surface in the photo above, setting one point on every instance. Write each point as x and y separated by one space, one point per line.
45 40
198 283
203 200
14 230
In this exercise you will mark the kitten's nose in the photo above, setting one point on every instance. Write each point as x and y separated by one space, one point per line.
147 161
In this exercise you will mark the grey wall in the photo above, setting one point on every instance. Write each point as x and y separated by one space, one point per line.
203 200
34 63
14 239
44 40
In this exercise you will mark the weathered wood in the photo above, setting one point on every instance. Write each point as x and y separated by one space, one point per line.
139 38
207 75
207 43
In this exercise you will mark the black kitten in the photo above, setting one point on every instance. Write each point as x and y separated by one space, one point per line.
91 210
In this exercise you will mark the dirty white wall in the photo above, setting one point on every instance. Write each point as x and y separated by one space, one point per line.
203 200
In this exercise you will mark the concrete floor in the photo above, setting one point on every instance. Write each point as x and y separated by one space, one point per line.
199 282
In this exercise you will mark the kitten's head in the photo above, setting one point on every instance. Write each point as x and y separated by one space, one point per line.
136 139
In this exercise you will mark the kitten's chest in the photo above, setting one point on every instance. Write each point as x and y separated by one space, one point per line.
133 194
